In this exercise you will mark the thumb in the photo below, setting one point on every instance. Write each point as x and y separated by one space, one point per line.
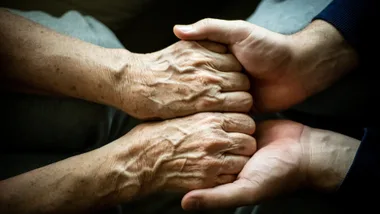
216 30
238 193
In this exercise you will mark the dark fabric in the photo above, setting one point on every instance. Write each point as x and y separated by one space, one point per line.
355 19
142 25
364 174
354 96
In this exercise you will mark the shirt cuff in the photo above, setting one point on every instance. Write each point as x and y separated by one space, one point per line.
364 174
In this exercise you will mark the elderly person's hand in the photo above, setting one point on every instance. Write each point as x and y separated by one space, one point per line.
199 151
289 156
285 69
183 79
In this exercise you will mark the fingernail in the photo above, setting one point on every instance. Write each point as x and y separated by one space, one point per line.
185 28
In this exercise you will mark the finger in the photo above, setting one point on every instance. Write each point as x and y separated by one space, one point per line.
214 47
189 181
234 102
222 31
225 62
232 164
234 81
225 179
243 144
242 123
234 194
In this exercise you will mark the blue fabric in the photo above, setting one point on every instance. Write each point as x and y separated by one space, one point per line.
364 173
355 19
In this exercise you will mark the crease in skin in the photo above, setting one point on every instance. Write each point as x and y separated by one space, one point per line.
172 99
183 165
171 82
231 147
160 150
184 175
181 135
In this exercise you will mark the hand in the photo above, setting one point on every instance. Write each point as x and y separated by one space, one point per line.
198 151
285 69
289 156
183 79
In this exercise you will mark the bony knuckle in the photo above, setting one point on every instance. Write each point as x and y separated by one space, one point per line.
213 118
205 104
240 22
206 21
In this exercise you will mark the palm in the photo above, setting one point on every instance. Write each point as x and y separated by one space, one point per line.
272 170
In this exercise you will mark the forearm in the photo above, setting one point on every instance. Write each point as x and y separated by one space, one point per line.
42 59
324 55
74 185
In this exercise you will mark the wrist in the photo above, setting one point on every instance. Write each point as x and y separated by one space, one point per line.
123 172
322 55
127 81
329 156
98 178
112 89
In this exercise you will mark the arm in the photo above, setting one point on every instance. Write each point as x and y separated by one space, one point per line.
77 184
180 80
41 59
198 151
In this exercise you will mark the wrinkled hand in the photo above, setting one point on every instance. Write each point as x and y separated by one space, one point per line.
184 79
198 151
285 69
289 156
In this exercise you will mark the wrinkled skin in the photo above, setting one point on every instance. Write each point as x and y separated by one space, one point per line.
284 69
183 79
289 156
198 151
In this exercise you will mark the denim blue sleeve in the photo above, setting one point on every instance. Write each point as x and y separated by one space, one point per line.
356 20
364 174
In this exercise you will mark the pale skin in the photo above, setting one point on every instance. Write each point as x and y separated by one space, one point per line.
284 70
191 152
199 151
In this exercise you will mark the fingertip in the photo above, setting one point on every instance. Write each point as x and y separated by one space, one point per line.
190 202
183 31
240 102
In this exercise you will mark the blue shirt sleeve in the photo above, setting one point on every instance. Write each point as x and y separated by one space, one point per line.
364 174
356 20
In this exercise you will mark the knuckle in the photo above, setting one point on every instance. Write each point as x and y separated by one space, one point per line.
215 146
206 21
207 79
207 103
240 22
246 100
199 60
213 118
